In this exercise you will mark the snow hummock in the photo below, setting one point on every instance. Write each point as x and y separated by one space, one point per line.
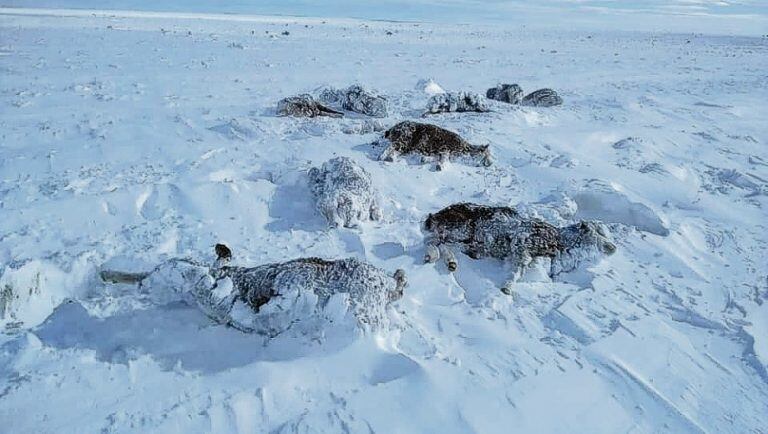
429 87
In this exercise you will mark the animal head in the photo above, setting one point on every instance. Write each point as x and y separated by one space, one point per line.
401 133
400 283
587 235
223 252
223 257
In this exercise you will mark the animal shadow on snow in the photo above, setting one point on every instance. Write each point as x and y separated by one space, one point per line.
175 334
293 206
371 150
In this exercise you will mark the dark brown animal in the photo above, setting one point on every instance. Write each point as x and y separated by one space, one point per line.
431 142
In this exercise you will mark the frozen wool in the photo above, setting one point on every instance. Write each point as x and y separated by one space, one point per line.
369 289
357 99
542 98
501 232
344 192
581 242
365 126
268 299
456 102
304 106
509 93
431 141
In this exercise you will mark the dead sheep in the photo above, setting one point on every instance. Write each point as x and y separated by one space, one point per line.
304 106
542 98
268 299
508 93
356 99
344 193
369 288
431 142
456 102
501 232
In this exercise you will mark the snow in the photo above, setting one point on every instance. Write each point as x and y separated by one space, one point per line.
130 138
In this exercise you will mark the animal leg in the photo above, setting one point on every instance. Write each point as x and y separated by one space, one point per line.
375 213
442 161
432 253
345 212
486 159
507 288
520 260
389 154
331 214
449 257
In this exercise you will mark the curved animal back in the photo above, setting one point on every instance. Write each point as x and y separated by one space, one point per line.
460 222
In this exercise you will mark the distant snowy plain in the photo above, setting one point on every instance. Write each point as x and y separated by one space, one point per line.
150 135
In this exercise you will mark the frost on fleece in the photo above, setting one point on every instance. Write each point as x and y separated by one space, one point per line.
344 192
269 299
501 232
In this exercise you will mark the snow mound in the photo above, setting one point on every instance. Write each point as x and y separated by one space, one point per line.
30 292
242 129
601 201
429 87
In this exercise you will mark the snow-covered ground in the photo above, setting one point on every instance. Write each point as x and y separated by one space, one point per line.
741 17
147 136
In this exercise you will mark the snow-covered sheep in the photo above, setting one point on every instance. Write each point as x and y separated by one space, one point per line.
501 232
456 102
304 106
542 98
431 142
269 299
509 93
357 99
344 192
369 288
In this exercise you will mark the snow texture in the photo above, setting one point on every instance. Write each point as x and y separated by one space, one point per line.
344 193
600 200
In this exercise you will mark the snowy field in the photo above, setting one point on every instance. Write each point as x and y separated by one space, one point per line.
148 136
